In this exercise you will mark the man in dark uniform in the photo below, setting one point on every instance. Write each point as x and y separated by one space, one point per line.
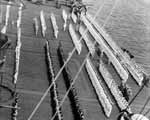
126 90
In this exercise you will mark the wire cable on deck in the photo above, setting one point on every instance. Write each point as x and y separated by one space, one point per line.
69 57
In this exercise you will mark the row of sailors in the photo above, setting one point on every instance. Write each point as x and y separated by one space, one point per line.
76 9
127 93
17 51
6 18
15 109
4 29
73 92
18 34
54 88
43 24
18 46
124 88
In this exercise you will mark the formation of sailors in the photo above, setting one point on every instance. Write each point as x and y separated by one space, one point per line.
4 38
78 8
